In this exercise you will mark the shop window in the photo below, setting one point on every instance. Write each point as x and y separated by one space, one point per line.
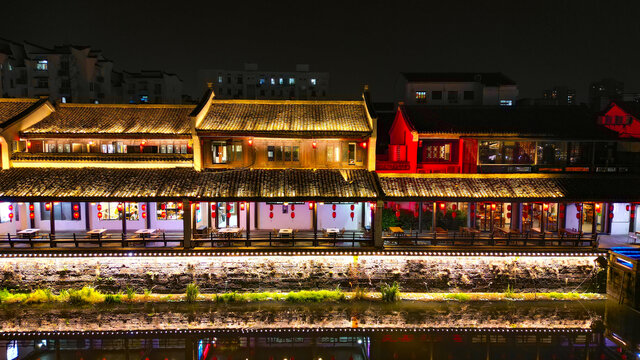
288 153
111 210
468 95
169 211
552 153
62 211
506 152
333 153
421 96
436 153
351 154
436 95
219 152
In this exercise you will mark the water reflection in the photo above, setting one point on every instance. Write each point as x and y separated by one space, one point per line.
612 333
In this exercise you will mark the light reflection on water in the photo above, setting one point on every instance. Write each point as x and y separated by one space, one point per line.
611 334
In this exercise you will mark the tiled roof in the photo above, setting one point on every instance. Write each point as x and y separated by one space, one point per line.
293 118
630 107
489 79
24 184
560 122
514 187
13 108
111 119
93 157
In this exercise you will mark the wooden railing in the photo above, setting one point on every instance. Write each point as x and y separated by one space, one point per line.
351 239
458 238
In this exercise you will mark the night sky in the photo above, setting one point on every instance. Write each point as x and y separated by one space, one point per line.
539 44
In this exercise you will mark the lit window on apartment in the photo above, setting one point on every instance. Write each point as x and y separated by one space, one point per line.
314 82
273 81
144 98
261 81
437 152
220 79
64 100
468 95
281 81
219 152
506 102
421 96
292 81
10 67
351 156
42 65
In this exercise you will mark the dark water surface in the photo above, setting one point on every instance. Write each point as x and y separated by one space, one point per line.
341 331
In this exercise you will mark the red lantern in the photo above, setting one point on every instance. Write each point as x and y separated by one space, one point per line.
398 214
10 207
47 206
363 144
610 207
442 206
293 207
99 207
373 206
28 144
250 141
352 215
598 208
228 215
545 207
32 215
180 206
293 215
632 214
242 206
76 207
99 215
11 215
144 215
472 206
508 215
270 207
509 207
213 214
76 215
424 207
454 207
454 214
352 207
415 214
164 214
579 207
119 206
213 207
314 144
333 207
561 214
627 207
228 207
493 206
270 215
31 207
311 205
333 214
578 216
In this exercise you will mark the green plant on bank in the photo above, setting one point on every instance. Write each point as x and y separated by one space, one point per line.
359 294
564 296
390 293
147 293
130 293
314 296
458 296
192 292
86 295
39 296
508 293
113 298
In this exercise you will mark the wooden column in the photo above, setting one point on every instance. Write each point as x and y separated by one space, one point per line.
315 218
255 216
515 216
247 211
87 216
194 218
52 220
434 220
471 215
148 219
420 217
377 225
124 217
186 223
209 221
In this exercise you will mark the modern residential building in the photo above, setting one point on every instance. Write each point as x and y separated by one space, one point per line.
458 88
251 83
602 92
151 86
66 73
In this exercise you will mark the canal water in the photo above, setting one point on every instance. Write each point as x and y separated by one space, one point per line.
325 331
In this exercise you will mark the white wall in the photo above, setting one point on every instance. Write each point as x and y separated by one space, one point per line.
302 221
621 218
342 219
571 222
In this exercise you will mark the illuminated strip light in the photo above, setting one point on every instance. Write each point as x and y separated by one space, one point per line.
624 263
293 330
297 253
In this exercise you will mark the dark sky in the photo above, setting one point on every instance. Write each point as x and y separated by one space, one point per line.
538 44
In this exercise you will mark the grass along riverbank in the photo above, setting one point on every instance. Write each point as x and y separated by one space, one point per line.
89 295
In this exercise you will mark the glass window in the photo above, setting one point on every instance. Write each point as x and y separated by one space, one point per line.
163 149
67 148
506 102
278 153
351 154
292 81
436 95
183 149
61 211
452 96
421 96
552 153
506 152
235 151
579 153
271 150
436 152
295 153
313 82
169 211
273 81
468 95
287 153
220 79
219 152
42 65
281 81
